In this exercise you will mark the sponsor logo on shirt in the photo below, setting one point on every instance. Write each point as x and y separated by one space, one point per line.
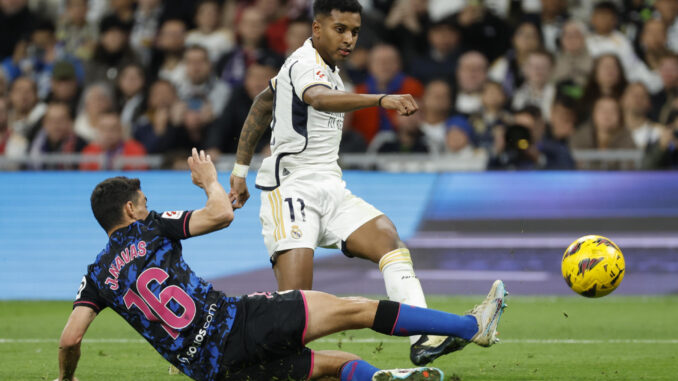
175 215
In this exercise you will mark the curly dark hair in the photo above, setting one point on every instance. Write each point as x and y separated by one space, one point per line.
325 7
109 197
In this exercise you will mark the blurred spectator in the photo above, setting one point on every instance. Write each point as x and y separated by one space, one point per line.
275 17
550 22
636 104
606 79
64 85
482 30
38 58
605 39
120 12
56 136
157 128
491 116
386 77
663 102
75 33
441 58
408 137
406 25
573 61
459 136
25 108
3 84
208 32
507 69
97 100
112 52
537 90
224 134
668 13
606 130
166 61
146 23
471 76
5 130
252 47
16 23
200 89
435 109
555 144
130 92
298 31
112 144
664 153
652 43
515 146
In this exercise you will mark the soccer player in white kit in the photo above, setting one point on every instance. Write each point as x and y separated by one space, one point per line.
304 201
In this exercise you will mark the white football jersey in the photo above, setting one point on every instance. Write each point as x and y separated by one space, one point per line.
302 138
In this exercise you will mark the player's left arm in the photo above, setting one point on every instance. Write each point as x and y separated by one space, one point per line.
217 212
322 98
71 337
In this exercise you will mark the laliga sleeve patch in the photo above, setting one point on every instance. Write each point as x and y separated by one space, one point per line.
174 215
319 75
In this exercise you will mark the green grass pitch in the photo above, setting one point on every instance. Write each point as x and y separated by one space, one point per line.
544 338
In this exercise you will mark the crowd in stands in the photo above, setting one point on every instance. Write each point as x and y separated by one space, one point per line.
516 84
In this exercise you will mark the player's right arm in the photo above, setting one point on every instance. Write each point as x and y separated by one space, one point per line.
325 99
71 337
257 122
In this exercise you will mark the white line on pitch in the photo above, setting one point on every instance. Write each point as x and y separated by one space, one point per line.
385 340
523 276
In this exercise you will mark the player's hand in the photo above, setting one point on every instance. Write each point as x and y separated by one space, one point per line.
404 104
238 193
203 172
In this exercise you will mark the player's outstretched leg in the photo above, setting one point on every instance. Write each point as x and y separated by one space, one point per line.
349 367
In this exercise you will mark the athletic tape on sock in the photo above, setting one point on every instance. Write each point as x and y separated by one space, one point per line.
386 317
395 256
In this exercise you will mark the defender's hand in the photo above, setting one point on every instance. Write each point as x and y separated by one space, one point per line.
238 193
203 172
404 104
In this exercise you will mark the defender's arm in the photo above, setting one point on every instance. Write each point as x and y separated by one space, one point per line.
71 337
217 212
322 98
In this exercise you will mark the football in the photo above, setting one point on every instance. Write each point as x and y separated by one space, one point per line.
593 266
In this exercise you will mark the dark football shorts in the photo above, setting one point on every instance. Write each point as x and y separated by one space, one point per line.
266 340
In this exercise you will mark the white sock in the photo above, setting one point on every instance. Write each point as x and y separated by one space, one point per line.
402 284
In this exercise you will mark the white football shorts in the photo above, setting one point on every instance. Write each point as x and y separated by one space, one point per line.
311 210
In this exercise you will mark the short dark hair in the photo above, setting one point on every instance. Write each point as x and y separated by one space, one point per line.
109 197
325 7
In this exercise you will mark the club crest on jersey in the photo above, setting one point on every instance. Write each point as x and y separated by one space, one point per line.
296 232
319 75
174 215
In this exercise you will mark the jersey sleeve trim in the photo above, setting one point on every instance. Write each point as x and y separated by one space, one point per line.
272 84
187 233
313 84
85 303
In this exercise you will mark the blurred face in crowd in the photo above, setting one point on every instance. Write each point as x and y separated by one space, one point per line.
252 26
654 35
443 38
296 35
23 95
603 21
161 95
3 114
336 34
384 63
207 16
110 131
608 72
268 8
114 40
562 121
572 38
57 122
538 69
526 38
256 79
121 5
636 99
668 71
552 8
97 101
472 72
76 11
493 97
456 139
198 67
131 81
606 115
437 98
668 9
64 90
43 39
11 7
172 36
